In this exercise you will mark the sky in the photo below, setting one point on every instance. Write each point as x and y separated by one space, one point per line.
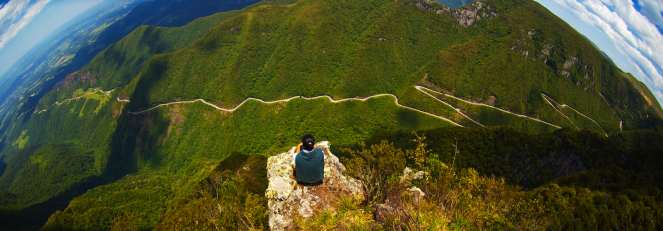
25 23
630 32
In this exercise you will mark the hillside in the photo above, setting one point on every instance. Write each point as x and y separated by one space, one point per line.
84 117
164 109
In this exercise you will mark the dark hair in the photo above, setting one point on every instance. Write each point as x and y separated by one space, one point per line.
308 141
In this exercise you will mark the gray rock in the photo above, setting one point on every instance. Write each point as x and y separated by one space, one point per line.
466 16
287 200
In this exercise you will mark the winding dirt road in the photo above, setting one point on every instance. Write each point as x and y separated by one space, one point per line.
492 107
329 98
426 91
66 101
550 101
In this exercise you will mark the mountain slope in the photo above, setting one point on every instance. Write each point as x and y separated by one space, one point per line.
269 55
512 64
76 119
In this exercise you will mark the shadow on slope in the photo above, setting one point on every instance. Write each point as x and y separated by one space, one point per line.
131 137
628 161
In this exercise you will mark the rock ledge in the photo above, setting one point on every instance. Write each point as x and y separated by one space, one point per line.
287 200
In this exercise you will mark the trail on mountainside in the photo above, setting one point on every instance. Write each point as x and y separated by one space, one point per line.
490 106
332 100
555 106
426 91
82 96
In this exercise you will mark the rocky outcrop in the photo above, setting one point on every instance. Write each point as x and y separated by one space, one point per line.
287 200
466 16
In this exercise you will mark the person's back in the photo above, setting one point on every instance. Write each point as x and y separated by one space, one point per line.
309 167
309 163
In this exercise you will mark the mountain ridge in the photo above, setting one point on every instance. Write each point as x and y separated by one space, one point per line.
492 72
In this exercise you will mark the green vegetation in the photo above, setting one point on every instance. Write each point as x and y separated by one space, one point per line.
454 198
78 114
347 215
230 196
48 171
103 209
461 198
272 55
119 63
22 140
569 189
177 166
68 144
584 209
184 144
625 161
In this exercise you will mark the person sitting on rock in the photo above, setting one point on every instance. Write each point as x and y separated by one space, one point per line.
309 162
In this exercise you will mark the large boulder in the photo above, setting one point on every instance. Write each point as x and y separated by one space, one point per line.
288 200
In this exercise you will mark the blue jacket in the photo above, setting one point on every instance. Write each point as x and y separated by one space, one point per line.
310 167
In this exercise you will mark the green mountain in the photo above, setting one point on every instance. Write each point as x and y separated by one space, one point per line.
151 120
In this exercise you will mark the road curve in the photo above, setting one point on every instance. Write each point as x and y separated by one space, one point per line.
492 107
550 101
426 91
457 110
329 98
422 89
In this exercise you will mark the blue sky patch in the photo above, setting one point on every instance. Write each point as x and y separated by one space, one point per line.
636 5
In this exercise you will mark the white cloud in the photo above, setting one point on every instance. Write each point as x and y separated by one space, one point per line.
632 32
15 15
653 10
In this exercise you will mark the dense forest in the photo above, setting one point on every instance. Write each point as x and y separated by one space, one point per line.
506 180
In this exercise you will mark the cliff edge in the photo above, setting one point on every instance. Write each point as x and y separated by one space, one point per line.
288 200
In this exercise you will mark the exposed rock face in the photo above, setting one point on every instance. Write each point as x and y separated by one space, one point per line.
469 15
288 200
466 16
